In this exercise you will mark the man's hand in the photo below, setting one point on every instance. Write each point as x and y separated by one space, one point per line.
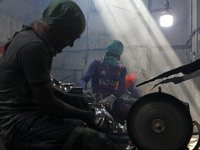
109 101
100 120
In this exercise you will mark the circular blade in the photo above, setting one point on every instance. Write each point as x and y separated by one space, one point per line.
159 121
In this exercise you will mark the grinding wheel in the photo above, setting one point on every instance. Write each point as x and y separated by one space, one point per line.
159 121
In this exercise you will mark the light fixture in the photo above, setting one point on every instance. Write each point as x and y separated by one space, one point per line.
166 18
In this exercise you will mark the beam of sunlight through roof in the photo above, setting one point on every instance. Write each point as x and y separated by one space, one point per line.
145 45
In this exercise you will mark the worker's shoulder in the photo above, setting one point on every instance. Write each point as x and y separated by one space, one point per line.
28 36
27 40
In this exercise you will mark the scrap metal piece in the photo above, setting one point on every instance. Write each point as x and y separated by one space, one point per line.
175 80
185 69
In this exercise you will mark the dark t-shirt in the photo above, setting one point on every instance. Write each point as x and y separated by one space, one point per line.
26 62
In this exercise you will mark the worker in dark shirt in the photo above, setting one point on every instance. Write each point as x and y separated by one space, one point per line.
105 75
31 116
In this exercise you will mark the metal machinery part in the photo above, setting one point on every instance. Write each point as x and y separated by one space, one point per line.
104 121
65 87
159 121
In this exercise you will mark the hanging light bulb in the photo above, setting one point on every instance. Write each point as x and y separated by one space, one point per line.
166 18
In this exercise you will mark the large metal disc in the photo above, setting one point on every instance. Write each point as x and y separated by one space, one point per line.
159 121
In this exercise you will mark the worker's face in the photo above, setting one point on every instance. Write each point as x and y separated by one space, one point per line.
113 55
65 39
111 59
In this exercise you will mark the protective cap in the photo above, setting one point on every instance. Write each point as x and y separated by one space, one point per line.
65 16
115 47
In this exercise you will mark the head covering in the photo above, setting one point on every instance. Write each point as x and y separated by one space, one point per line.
65 16
62 16
115 47
110 61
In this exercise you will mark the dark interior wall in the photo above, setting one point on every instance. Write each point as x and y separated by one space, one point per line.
15 13
141 38
96 36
